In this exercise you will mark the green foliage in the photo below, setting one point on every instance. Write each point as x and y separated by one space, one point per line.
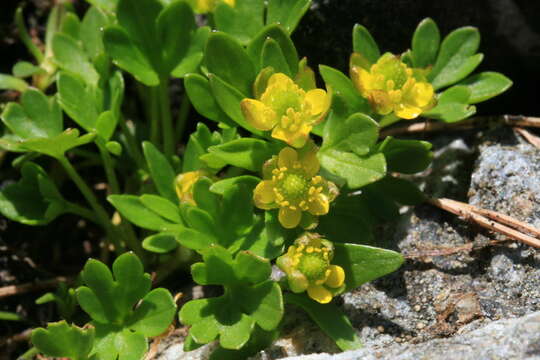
63 340
222 200
250 300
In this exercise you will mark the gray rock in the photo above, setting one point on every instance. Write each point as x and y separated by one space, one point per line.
504 339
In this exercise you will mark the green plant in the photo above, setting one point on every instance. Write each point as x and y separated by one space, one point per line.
274 185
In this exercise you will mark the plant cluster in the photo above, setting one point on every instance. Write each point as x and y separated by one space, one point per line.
274 199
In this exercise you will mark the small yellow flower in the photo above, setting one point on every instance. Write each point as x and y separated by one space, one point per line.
184 185
286 109
290 183
391 86
307 264
206 6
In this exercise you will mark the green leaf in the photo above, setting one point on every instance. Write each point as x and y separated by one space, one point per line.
232 316
175 27
235 69
78 100
364 44
287 13
109 5
22 203
162 207
198 145
91 31
114 147
272 56
160 243
486 85
10 316
243 21
285 44
70 25
247 153
202 99
106 124
8 82
194 55
161 171
425 43
194 239
364 263
352 220
229 99
221 186
113 342
403 191
356 170
36 116
109 300
133 209
153 316
358 134
127 55
70 56
56 146
341 85
139 21
453 105
330 319
24 69
406 156
63 340
456 58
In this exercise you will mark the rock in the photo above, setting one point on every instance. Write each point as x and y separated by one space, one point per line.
504 339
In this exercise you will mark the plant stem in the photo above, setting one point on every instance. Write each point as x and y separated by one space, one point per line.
166 118
154 115
100 212
82 212
185 106
30 354
25 37
132 144
108 166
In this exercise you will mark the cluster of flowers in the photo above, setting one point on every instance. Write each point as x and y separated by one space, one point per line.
291 182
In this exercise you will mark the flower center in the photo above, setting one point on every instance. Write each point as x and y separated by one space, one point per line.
313 264
293 185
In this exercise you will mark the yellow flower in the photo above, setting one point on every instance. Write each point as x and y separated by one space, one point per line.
206 6
290 183
184 185
307 264
286 109
391 86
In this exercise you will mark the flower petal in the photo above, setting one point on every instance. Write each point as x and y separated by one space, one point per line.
319 293
406 111
280 80
319 206
263 195
422 94
310 162
336 277
288 218
287 157
319 101
297 281
258 114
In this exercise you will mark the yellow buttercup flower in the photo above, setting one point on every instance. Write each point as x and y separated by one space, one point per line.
206 6
290 183
286 109
391 86
184 185
307 264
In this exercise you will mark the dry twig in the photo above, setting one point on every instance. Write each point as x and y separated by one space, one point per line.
491 220
530 137
475 122
29 287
